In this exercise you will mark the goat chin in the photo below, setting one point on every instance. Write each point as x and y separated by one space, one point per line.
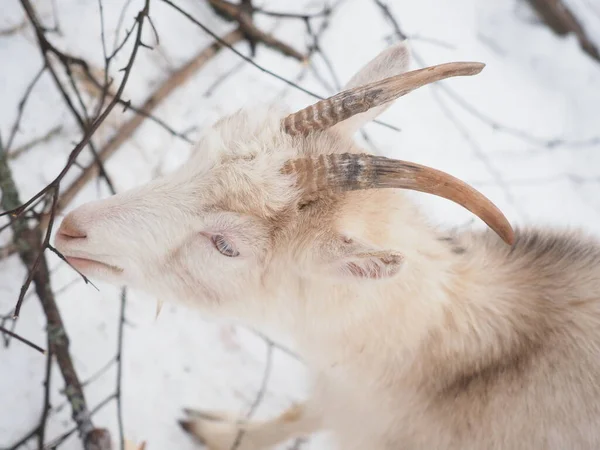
414 338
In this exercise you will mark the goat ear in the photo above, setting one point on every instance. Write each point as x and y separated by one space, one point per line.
371 265
391 61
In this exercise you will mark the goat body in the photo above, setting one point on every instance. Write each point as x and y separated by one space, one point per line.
415 338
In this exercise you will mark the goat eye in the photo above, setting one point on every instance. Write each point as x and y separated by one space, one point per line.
224 247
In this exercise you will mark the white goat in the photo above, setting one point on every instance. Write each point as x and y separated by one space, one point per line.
415 338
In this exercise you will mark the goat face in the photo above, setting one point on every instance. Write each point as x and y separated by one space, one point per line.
234 212
202 231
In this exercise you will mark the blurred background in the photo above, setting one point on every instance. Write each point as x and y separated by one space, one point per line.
525 132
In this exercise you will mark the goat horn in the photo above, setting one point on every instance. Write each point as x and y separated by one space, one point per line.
348 172
328 112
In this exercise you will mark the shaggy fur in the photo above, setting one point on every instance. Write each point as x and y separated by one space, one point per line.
415 338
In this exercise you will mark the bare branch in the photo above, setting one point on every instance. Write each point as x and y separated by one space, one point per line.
285 15
23 340
120 23
127 103
21 107
562 21
119 360
259 395
251 32
52 133
13 29
385 9
36 263
46 404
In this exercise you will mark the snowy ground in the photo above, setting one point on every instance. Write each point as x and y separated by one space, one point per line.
525 132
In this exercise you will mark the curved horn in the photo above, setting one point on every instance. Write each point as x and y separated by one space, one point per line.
328 112
347 172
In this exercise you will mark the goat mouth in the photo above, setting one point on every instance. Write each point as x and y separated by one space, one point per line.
86 265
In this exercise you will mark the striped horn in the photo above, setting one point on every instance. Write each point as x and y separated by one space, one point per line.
328 112
348 172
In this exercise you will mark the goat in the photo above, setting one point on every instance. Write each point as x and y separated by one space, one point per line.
415 337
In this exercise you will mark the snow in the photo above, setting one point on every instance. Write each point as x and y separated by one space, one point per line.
525 132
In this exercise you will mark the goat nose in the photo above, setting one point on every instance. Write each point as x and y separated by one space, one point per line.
68 229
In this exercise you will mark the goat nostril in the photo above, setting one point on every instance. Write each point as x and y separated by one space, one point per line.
71 231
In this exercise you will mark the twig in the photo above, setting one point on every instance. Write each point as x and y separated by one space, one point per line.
265 381
385 9
46 403
107 60
13 29
34 267
61 256
479 153
138 110
259 395
285 15
251 32
536 140
8 250
33 433
222 78
22 339
119 359
98 374
120 24
21 107
53 445
55 131
562 21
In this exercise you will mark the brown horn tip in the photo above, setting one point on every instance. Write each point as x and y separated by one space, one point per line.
473 68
